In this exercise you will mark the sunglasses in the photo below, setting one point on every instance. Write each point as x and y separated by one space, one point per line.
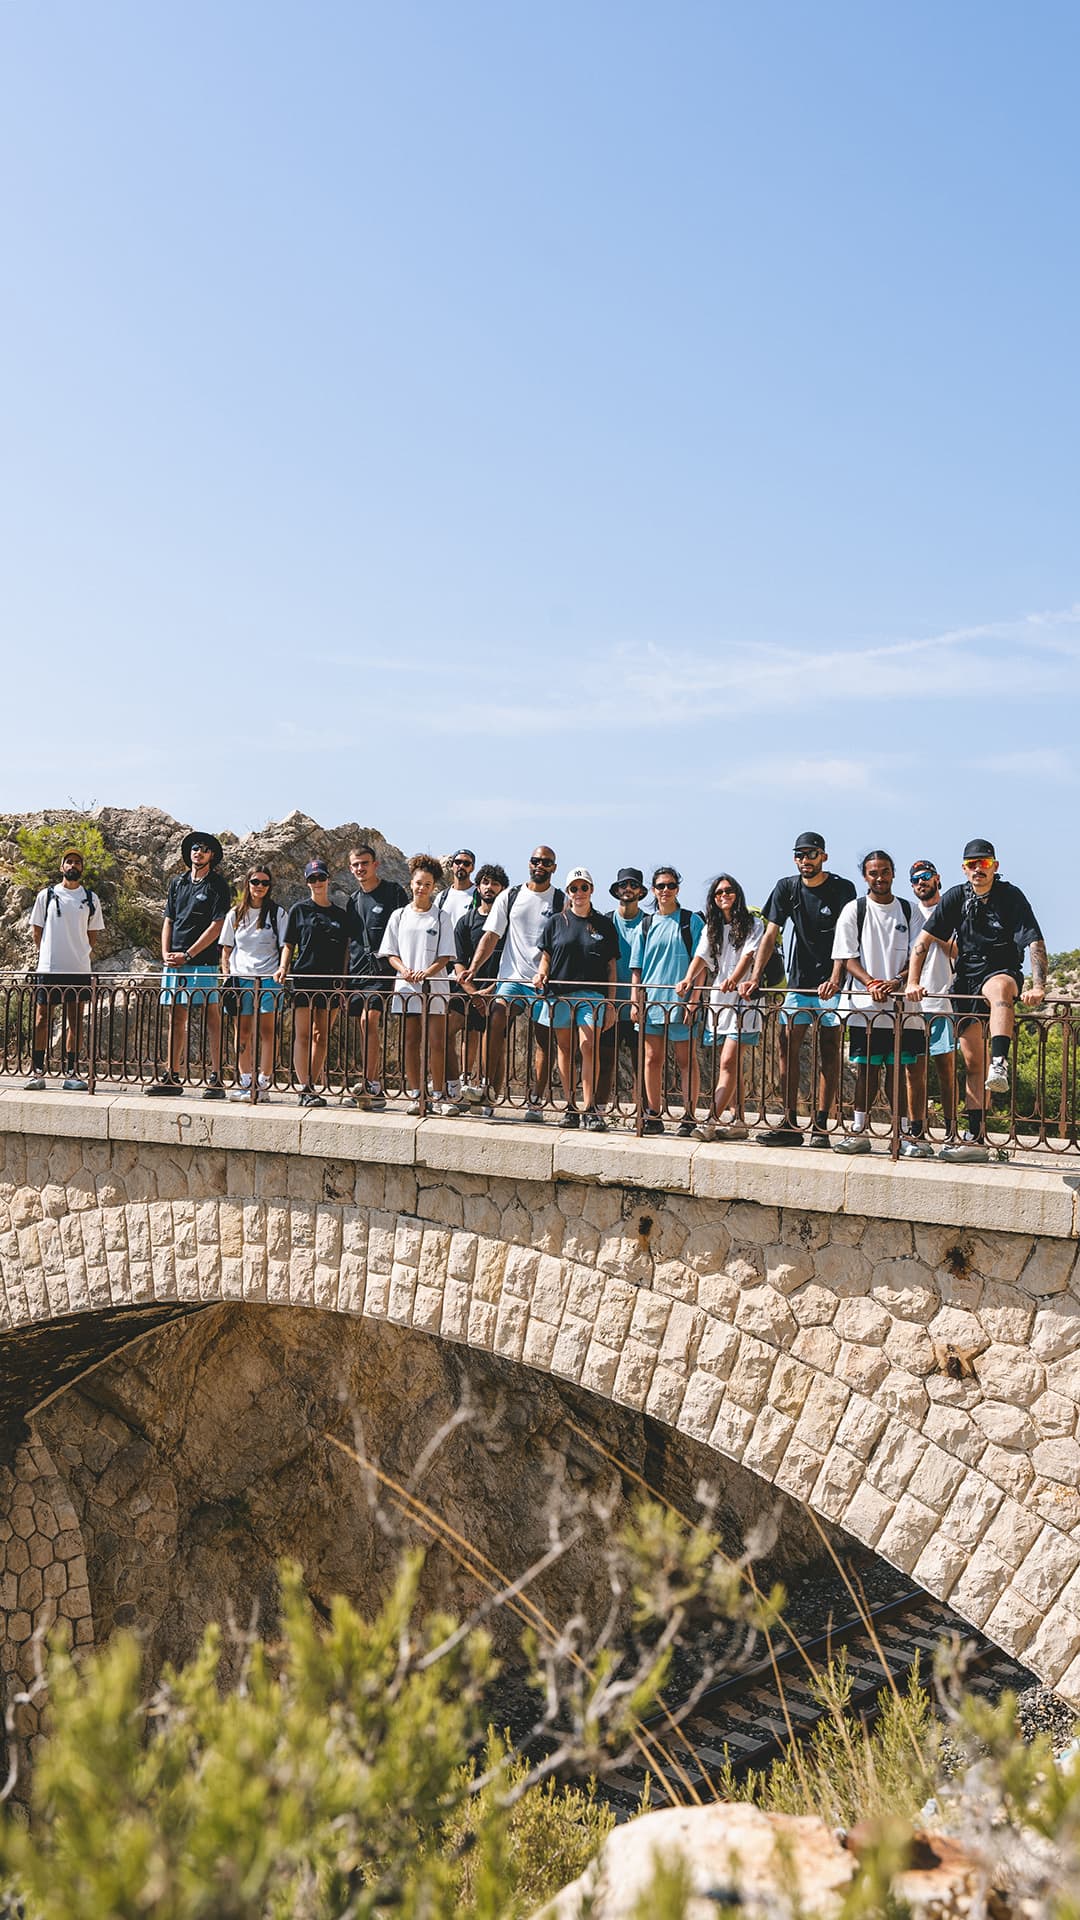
810 853
461 863
664 886
542 863
925 873
978 866
724 893
254 882
579 886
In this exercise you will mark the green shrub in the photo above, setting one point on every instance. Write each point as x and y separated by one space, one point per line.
40 849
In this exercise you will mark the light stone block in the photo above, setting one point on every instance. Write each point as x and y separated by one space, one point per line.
55 1114
539 1348
867 1514
731 1429
665 1395
936 1477
700 1404
767 1442
980 1586
776 1177
840 1474
622 1160
1046 1568
1006 1426
634 1375
940 1565
902 1540
650 1318
799 1469
1013 1624
571 1346
334 1133
765 1313
1053 1646
821 1413
717 1348
1011 1199
1049 1270
264 1128
507 1151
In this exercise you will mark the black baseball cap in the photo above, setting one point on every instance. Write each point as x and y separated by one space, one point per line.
980 850
810 843
921 866
316 870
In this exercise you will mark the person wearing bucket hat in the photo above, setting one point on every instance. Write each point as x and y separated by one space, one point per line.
620 1036
992 923
195 910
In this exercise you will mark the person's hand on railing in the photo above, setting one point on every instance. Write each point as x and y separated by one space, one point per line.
914 990
1033 996
878 990
828 989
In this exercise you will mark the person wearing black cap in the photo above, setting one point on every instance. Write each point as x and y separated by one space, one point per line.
195 910
315 950
937 976
629 889
992 923
368 913
813 901
456 901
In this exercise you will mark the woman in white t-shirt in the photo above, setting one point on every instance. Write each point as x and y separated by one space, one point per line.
419 945
251 941
724 955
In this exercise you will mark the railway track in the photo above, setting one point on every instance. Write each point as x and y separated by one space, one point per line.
742 1719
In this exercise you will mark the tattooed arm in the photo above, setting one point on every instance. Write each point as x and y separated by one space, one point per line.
1036 993
916 960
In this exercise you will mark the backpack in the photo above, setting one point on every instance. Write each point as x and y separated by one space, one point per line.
443 894
51 896
860 914
557 895
685 928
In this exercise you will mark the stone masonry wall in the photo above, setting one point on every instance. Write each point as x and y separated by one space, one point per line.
917 1384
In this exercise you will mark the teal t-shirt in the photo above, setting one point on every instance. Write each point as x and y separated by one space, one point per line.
659 952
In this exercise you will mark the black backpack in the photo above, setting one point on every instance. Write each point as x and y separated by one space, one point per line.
686 928
52 896
860 915
557 895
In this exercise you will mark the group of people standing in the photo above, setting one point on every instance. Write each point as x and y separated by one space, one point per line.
457 960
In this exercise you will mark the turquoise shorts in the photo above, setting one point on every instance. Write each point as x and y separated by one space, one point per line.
582 1008
798 1010
516 990
241 999
942 1036
190 985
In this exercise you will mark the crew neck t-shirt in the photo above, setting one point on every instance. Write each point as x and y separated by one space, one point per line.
319 938
814 913
992 934
883 951
582 947
67 923
624 934
419 939
523 923
937 969
457 902
661 955
194 905
368 916
255 950
468 934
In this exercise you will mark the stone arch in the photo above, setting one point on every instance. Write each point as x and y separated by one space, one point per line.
43 1585
916 1385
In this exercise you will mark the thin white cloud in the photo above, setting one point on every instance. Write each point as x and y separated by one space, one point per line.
1035 763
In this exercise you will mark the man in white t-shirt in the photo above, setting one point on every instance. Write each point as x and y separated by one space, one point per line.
520 914
65 921
456 900
937 975
872 942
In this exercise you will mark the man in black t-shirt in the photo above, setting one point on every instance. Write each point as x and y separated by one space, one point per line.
195 910
812 900
490 882
368 916
992 923
315 951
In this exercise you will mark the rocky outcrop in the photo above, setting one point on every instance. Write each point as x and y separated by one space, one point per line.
144 843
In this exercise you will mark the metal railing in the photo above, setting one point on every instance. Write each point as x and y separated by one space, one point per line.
120 1032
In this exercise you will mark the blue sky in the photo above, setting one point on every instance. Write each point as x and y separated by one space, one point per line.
653 430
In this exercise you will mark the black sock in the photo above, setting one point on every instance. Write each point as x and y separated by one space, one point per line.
975 1122
38 1059
999 1046
69 1063
821 1121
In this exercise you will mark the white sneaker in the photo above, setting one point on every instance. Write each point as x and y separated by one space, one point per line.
915 1148
997 1076
453 1088
965 1152
852 1143
473 1096
413 1108
446 1109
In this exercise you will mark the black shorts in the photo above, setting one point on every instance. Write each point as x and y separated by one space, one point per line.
314 990
969 1001
877 1045
369 995
52 987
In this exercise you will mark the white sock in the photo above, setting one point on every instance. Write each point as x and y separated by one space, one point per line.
245 1080
860 1121
264 1080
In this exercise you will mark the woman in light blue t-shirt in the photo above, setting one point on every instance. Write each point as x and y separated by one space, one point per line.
661 953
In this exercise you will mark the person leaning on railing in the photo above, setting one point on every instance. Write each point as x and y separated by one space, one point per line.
419 946
65 921
315 954
195 909
576 975
251 944
992 923
725 954
477 989
663 948
629 889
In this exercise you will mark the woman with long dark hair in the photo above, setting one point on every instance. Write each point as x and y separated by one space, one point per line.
251 942
725 954
576 975
662 947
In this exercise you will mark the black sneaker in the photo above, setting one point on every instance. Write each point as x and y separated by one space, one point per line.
686 1128
820 1140
213 1089
779 1137
166 1083
652 1124
571 1118
309 1098
594 1122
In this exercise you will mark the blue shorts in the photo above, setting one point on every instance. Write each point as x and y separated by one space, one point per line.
667 1017
798 1009
711 1038
516 990
189 984
241 999
582 1008
942 1036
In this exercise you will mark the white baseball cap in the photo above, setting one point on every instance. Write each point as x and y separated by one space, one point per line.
579 873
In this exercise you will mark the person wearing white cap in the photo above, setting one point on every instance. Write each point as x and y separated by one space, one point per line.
576 969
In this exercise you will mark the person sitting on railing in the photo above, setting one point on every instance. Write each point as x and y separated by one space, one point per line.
812 900
195 909
937 973
576 973
873 938
315 953
518 917
419 946
725 955
992 923
663 946
65 921
629 889
251 943
477 992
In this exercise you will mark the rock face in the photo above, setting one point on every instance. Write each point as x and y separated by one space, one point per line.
769 1866
198 1457
145 844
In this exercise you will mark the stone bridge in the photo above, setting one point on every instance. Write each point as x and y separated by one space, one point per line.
897 1347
